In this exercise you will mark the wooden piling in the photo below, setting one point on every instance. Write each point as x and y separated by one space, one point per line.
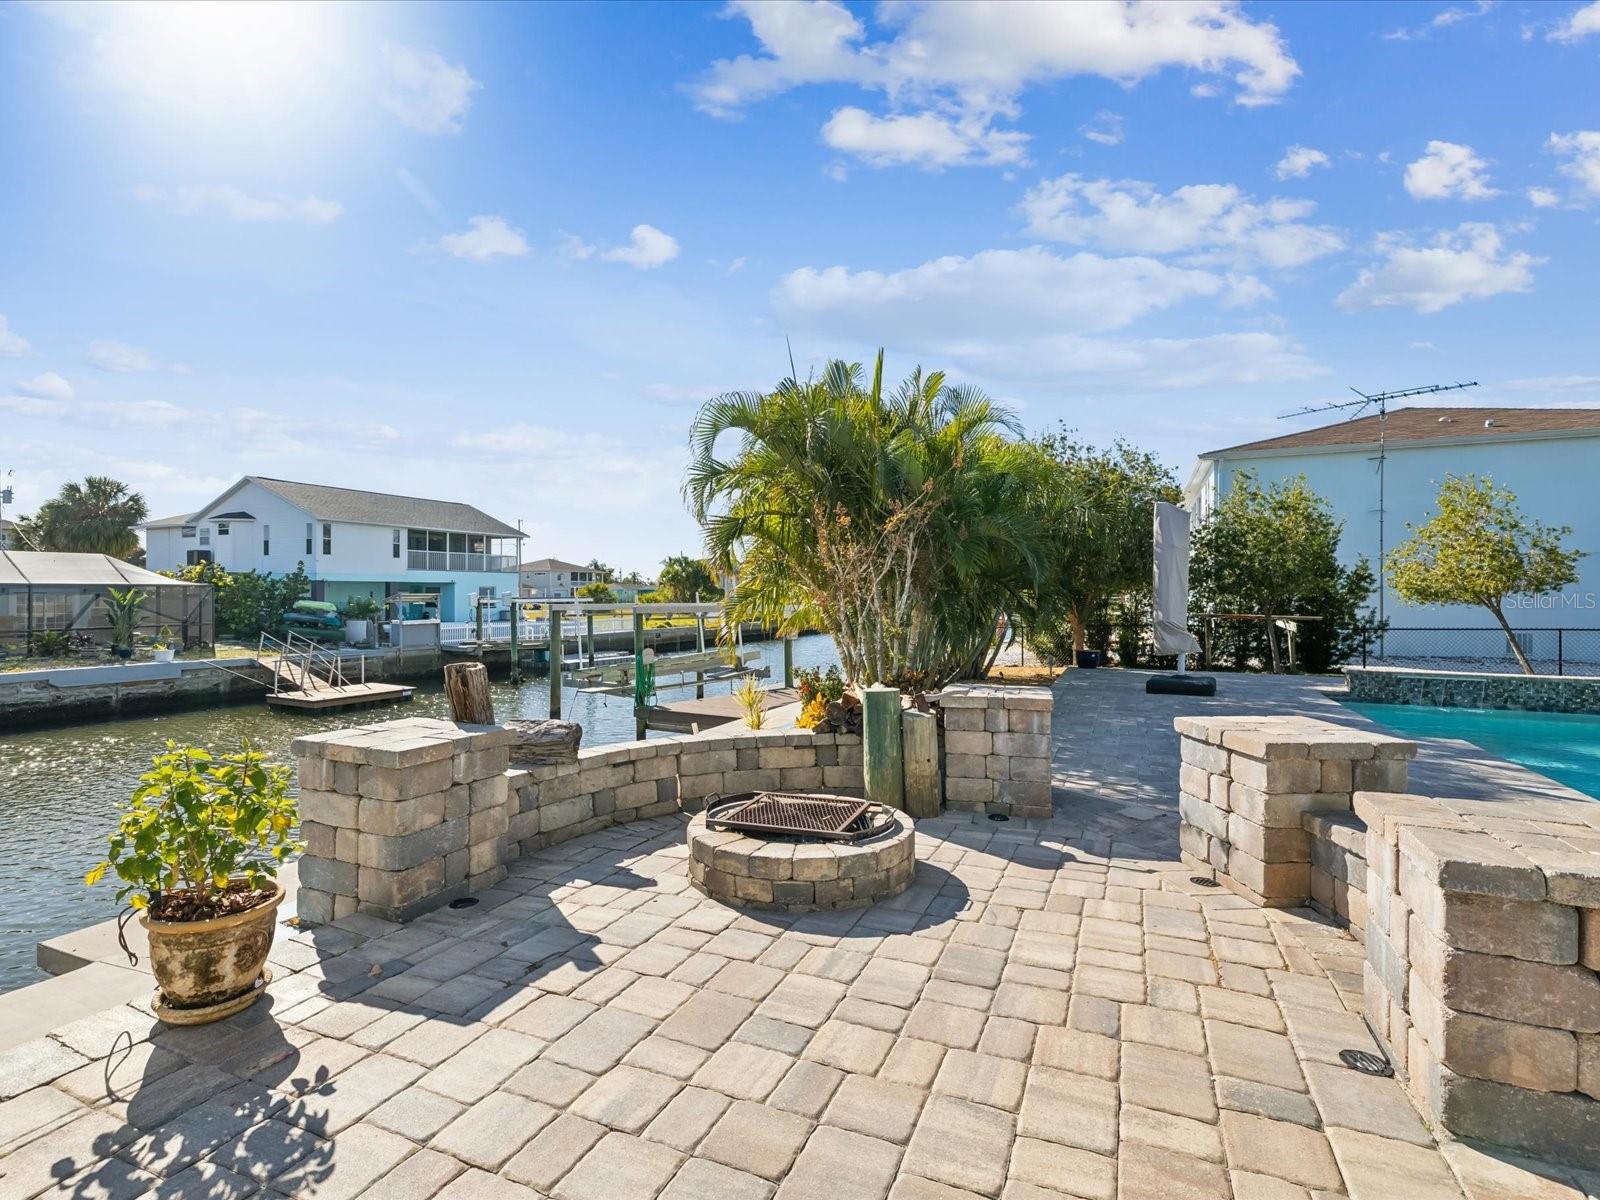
700 645
788 662
639 727
920 741
883 770
555 661
467 687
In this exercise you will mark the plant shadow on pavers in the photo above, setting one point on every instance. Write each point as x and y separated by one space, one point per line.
219 1105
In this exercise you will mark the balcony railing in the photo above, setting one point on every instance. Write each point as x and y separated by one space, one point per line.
458 560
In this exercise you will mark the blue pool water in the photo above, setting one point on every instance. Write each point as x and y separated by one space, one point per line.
1564 746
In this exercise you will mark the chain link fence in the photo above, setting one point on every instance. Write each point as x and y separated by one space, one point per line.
1557 651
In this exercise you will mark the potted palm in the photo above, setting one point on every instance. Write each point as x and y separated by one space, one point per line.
198 849
359 613
123 608
162 649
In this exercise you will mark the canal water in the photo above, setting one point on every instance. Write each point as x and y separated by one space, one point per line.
60 788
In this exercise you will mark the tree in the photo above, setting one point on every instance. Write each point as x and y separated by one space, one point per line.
248 603
898 522
1273 551
600 593
685 578
97 516
603 573
1479 549
1096 511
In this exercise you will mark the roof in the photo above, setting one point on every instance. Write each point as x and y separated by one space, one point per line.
232 516
553 564
180 519
1476 423
48 567
359 507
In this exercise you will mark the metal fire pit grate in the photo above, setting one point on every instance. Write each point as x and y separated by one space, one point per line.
833 818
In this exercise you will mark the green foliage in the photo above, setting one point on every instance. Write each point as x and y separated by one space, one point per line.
747 693
606 574
812 682
97 516
1095 507
248 603
163 638
361 608
685 578
1479 549
195 822
600 593
1274 551
899 522
51 643
122 610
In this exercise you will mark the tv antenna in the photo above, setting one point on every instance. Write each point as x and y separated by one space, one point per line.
1358 408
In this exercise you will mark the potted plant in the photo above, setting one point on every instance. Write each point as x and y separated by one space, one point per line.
162 649
123 608
198 848
359 613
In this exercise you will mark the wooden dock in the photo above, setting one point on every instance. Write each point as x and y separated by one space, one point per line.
697 716
341 696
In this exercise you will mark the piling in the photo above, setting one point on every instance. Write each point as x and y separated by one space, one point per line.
920 742
882 767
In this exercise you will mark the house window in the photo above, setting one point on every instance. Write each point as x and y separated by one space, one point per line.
487 593
308 537
197 556
188 531
266 540
396 543
327 538
416 539
205 535
222 529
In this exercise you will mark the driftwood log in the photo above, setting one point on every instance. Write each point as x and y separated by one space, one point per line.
467 687
842 716
539 743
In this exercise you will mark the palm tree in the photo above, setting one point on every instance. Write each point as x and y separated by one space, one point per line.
98 516
899 523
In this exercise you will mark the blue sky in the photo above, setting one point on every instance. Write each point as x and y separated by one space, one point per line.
499 253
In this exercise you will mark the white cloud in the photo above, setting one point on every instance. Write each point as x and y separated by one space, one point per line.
647 248
1423 346
1555 383
120 357
1468 263
1581 149
923 139
1297 162
425 91
1543 197
952 70
48 386
484 239
1581 24
1106 128
1449 169
1441 20
1208 220
194 199
997 293
12 344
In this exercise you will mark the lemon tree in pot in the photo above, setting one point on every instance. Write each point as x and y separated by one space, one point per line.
198 849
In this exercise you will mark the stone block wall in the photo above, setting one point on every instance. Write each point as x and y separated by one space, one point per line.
1573 692
400 817
1339 867
1483 964
1246 785
996 743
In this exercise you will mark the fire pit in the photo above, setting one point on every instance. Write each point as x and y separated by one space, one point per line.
799 852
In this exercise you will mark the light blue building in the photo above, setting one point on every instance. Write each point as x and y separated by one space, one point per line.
351 542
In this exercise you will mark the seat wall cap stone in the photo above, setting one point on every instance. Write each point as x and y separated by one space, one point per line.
1469 861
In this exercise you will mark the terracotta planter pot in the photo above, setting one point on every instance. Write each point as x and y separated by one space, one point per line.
209 969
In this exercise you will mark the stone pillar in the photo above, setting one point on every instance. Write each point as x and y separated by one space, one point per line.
883 770
1246 783
400 817
997 748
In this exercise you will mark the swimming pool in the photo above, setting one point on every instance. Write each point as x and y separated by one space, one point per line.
1564 746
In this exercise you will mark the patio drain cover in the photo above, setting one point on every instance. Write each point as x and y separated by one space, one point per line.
1367 1063
998 817
1203 881
463 902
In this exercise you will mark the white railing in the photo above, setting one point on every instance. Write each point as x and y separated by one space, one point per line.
458 560
532 630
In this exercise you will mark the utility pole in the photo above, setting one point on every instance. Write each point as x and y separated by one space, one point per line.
1358 408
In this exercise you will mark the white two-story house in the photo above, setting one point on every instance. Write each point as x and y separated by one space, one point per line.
351 542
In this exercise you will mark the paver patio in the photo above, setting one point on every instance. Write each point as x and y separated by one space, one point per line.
1052 1010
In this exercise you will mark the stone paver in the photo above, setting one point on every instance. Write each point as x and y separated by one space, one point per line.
1052 1010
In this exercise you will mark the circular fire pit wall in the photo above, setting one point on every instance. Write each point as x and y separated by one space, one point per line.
794 875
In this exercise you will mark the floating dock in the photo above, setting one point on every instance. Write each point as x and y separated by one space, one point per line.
697 716
348 695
